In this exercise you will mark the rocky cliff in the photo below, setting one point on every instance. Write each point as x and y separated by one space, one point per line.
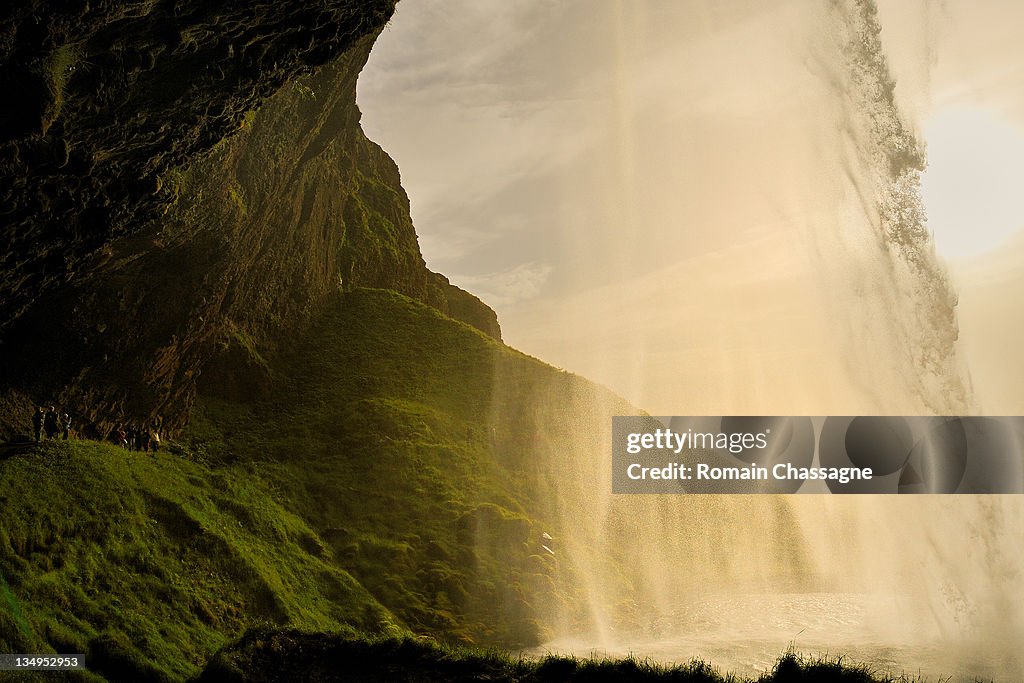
102 98
183 193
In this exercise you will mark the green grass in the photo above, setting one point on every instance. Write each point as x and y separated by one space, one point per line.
409 442
151 563
376 492
395 484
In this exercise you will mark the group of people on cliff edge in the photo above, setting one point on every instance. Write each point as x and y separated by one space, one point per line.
138 437
51 423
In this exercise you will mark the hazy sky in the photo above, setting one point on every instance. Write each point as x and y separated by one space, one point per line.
504 116
626 182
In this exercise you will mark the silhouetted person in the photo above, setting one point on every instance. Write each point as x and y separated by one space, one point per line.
50 423
37 423
156 426
120 437
65 426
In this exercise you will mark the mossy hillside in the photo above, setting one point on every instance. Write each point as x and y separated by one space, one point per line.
432 459
149 564
393 479
397 480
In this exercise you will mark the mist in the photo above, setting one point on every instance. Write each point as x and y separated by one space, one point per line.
716 210
694 225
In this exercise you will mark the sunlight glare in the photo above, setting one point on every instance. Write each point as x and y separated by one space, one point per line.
972 187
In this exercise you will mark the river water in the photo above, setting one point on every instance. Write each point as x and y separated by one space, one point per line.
746 634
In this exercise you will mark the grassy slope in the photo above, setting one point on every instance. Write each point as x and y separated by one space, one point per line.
398 481
149 564
372 493
412 444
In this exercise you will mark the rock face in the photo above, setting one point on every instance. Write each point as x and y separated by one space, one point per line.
191 230
102 98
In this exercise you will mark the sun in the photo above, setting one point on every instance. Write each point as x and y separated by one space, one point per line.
972 188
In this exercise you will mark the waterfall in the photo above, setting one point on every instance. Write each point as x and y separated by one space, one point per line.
726 199
926 583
